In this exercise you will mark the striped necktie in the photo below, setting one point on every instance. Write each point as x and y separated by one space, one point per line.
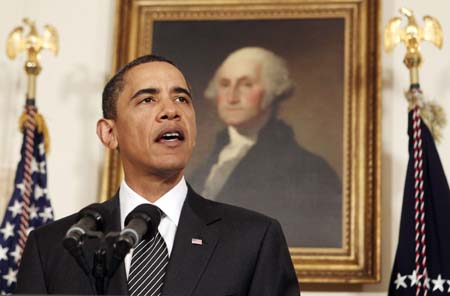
148 267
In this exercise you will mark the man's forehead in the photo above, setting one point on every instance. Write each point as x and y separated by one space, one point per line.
240 66
155 72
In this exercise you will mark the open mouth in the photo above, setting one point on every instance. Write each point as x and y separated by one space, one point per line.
170 136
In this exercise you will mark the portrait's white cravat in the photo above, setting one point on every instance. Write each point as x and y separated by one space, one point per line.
228 159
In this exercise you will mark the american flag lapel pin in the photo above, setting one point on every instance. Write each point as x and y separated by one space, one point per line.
197 241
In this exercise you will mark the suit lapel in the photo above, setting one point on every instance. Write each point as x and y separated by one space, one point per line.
189 259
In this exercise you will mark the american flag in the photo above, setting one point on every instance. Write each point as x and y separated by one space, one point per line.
422 262
29 206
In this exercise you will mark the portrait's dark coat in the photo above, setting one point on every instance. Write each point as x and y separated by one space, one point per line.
279 178
242 253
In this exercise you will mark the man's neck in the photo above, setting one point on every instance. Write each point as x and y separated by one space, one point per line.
152 187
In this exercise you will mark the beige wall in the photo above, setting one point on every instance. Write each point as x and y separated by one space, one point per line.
69 96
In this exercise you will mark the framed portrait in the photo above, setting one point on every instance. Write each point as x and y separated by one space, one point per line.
313 161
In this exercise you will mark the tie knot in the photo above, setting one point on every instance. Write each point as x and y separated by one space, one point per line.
153 232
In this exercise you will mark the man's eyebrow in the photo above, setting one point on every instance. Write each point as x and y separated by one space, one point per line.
154 91
150 90
246 77
183 90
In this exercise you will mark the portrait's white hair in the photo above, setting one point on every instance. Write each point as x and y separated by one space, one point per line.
274 73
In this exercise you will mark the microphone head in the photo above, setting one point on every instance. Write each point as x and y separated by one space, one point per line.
150 214
97 212
89 218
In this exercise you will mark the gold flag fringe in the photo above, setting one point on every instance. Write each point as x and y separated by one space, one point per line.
40 125
432 114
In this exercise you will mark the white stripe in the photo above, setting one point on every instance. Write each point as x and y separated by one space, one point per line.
146 261
137 258
148 267
138 252
143 272
160 281
151 281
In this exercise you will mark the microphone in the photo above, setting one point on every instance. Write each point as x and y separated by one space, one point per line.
140 223
89 219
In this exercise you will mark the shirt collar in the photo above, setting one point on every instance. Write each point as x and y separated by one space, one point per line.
170 203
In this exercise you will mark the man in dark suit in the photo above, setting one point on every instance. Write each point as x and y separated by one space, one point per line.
257 163
213 248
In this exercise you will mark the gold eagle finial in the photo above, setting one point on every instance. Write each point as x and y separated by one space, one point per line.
412 35
33 43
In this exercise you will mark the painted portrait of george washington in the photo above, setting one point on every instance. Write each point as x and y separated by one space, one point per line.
270 118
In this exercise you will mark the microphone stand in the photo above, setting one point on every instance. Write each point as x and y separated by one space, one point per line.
76 250
111 249
99 270
105 262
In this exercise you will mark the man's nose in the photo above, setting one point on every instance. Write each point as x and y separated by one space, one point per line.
169 110
233 95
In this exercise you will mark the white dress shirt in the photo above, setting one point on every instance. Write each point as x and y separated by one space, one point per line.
170 203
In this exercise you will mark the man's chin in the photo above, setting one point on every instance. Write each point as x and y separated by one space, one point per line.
242 125
171 169
236 122
247 124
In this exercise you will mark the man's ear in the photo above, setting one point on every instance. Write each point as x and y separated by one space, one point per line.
106 133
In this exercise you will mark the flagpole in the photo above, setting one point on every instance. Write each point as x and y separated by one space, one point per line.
31 120
29 206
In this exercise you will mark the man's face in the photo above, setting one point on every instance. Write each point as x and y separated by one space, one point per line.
240 93
155 127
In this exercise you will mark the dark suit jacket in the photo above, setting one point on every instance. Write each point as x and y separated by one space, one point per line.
279 178
243 253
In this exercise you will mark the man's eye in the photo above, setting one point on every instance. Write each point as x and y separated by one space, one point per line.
224 83
182 100
147 100
247 83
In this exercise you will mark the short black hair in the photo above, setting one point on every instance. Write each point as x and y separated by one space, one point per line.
115 85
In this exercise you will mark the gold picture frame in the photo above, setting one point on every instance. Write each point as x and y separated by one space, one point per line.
357 260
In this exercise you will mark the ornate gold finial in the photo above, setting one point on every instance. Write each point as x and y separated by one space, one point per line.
432 114
33 43
412 36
